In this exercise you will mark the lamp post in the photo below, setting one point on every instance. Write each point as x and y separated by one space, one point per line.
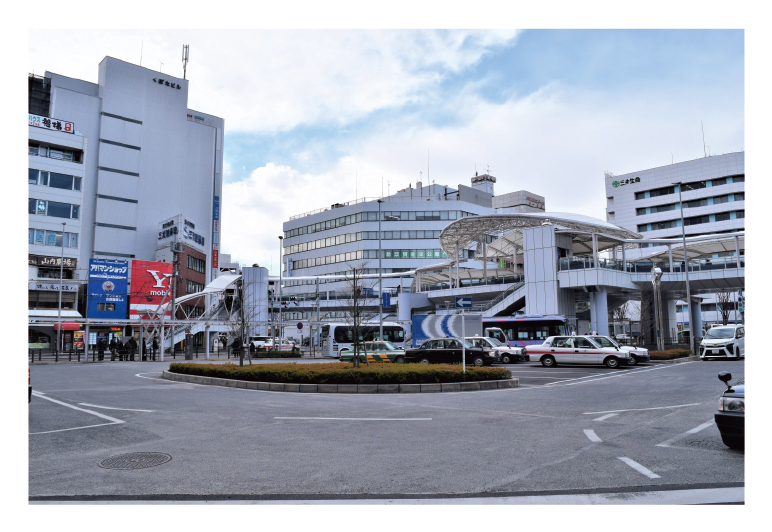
61 275
380 275
281 264
686 266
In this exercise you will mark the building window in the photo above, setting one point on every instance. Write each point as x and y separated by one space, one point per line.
197 265
740 214
192 287
53 273
696 203
53 208
739 196
193 311
722 216
74 156
106 307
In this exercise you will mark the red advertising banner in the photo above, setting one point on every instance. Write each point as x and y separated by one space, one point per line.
215 258
149 285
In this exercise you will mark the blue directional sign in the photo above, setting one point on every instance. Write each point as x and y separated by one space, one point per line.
386 300
463 302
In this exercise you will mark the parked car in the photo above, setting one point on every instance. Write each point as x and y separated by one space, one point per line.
257 343
725 341
507 353
448 351
575 350
730 416
282 344
376 352
635 355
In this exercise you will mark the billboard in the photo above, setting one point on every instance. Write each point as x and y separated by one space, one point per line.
427 326
180 229
150 287
107 289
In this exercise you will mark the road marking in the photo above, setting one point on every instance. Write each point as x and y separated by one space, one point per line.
112 420
638 467
529 377
640 409
591 435
619 374
362 418
601 418
695 430
593 376
114 408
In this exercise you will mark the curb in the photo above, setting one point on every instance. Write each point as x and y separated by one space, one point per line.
343 388
675 360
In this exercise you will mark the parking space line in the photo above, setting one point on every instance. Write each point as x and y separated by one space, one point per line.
114 408
640 409
695 430
103 416
591 435
622 373
75 428
601 418
638 467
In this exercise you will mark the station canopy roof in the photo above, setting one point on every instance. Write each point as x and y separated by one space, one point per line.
701 247
468 233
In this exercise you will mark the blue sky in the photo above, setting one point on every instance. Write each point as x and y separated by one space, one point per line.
320 116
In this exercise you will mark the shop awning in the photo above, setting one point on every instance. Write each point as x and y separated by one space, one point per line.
67 326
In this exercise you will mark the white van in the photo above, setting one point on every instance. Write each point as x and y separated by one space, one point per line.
723 341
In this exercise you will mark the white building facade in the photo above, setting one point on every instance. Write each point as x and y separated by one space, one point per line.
713 193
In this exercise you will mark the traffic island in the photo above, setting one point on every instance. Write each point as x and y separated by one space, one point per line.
344 378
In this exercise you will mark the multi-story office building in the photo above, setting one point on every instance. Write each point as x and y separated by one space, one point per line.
713 193
328 240
113 160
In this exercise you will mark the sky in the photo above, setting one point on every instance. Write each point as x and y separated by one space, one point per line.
315 117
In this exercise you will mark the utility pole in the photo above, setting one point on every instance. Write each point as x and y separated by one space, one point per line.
61 276
380 275
241 302
173 316
281 267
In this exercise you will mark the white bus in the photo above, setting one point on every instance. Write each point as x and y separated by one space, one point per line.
338 336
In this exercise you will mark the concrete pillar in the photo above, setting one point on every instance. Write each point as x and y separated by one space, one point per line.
601 314
207 340
595 250
670 319
593 312
670 257
695 323
485 262
624 258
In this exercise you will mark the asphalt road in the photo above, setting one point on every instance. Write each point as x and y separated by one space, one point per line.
567 430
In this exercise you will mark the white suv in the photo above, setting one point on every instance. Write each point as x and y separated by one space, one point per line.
575 350
725 341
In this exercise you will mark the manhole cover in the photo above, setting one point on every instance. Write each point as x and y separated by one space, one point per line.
134 460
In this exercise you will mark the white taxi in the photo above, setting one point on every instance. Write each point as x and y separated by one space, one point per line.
575 350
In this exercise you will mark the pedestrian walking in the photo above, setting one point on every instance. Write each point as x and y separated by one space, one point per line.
236 345
113 348
155 346
132 345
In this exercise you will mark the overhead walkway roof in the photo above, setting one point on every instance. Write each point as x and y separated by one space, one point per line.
701 247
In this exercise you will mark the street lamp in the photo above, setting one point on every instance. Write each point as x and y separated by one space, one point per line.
380 274
281 238
61 274
686 266
656 280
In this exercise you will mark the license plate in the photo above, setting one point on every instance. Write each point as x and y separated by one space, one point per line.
714 352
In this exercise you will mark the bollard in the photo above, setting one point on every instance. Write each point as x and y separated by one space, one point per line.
40 355
70 356
78 356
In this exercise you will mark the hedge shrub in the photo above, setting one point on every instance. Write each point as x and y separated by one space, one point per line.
343 373
669 354
276 354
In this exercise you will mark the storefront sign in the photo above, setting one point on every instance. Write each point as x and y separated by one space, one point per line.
217 207
150 286
108 284
624 182
51 123
180 229
535 202
52 286
168 83
215 258
38 260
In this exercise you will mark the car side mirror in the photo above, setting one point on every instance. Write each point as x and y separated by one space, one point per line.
725 377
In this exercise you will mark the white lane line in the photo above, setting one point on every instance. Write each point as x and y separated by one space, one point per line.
601 418
362 418
74 428
591 435
530 377
594 376
640 409
97 414
638 467
695 430
114 408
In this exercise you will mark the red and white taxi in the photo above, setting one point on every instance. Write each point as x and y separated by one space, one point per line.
575 350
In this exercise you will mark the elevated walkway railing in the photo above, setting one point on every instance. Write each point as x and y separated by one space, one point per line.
720 263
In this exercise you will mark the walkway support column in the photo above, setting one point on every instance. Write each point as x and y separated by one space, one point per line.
737 251
207 340
695 321
670 257
601 314
595 251
485 262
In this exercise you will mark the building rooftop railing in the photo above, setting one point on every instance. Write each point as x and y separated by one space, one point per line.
398 198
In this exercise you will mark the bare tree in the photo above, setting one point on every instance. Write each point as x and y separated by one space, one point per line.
357 314
724 305
242 319
646 313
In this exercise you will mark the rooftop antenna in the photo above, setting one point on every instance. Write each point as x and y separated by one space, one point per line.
703 139
388 187
475 169
185 54
160 68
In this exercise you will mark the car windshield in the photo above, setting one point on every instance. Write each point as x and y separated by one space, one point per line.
720 332
495 341
605 341
468 344
388 346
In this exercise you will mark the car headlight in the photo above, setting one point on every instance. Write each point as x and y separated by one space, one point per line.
731 404
491 354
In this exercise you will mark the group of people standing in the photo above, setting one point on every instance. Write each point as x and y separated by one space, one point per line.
129 348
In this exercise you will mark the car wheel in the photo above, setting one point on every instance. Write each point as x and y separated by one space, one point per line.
611 362
505 359
733 442
424 360
737 353
478 361
633 361
399 360
548 361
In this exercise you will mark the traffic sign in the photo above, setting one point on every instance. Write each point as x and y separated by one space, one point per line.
300 325
463 302
386 300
